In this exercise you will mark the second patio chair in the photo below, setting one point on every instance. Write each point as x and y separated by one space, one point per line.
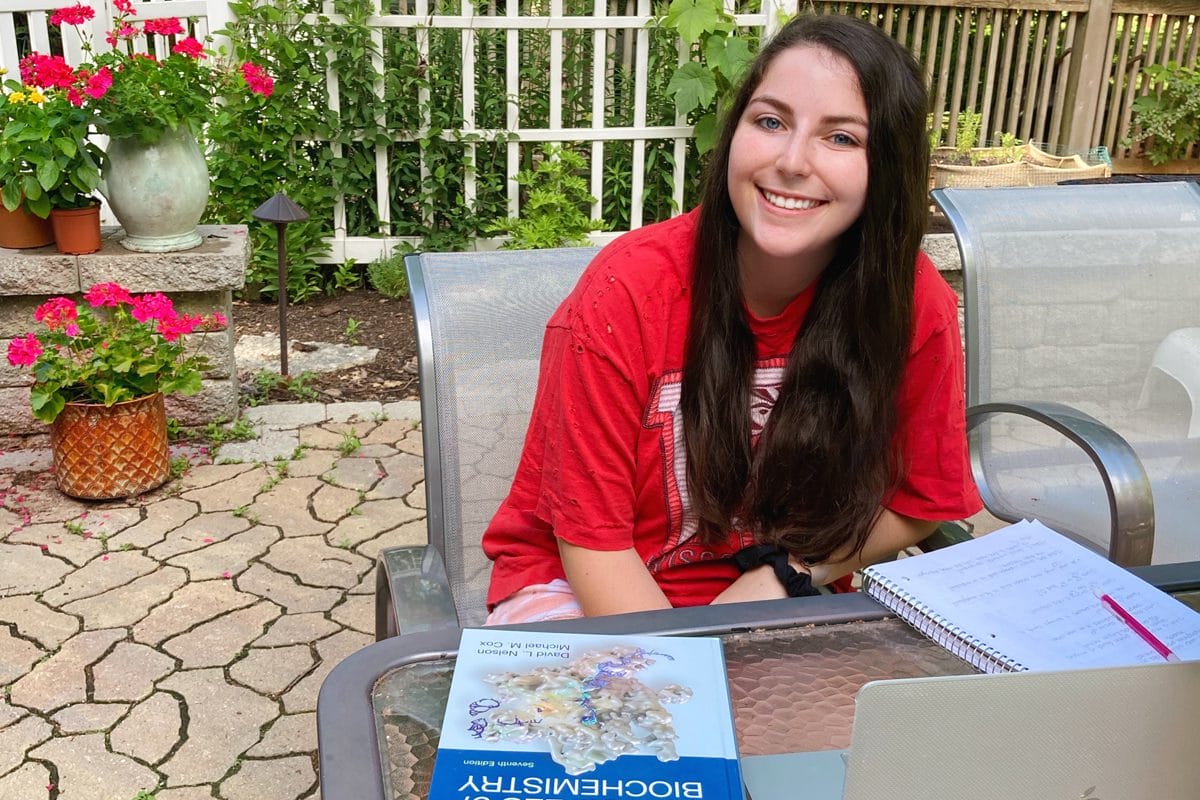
1069 293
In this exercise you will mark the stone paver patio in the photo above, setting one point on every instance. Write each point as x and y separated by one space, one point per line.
174 645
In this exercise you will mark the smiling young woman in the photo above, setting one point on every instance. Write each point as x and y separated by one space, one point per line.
763 394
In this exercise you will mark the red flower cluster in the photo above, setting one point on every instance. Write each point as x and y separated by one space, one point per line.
189 47
24 350
107 294
257 79
58 312
72 15
166 26
48 72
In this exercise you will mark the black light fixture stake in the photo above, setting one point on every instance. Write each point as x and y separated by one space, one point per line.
281 210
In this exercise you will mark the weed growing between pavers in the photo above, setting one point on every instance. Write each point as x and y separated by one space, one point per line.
350 443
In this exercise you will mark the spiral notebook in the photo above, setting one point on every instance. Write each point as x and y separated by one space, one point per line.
1025 598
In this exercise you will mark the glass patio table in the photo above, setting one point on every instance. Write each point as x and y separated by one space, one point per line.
794 669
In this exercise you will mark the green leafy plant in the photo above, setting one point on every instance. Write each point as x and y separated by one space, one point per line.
255 149
353 329
117 347
388 276
1168 118
349 443
220 431
556 210
701 87
179 465
46 160
967 132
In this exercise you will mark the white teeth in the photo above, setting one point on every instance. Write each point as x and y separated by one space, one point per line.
789 202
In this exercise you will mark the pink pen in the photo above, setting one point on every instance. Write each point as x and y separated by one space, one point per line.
1135 626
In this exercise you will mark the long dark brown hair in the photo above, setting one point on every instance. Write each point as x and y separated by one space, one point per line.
825 461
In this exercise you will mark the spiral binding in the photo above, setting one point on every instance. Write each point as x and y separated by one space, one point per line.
969 648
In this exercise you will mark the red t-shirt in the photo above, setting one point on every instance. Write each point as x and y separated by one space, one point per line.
604 466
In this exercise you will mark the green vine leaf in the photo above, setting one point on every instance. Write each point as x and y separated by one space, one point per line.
706 133
693 18
693 86
730 55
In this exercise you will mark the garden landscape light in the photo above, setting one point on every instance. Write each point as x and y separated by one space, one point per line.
281 210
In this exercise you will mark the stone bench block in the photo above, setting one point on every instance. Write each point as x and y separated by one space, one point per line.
218 263
216 400
15 416
55 273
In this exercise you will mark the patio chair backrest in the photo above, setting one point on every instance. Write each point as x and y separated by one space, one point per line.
1071 293
480 319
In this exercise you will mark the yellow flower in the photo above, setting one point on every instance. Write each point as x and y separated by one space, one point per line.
36 97
16 97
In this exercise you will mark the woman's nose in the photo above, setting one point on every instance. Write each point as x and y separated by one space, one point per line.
796 156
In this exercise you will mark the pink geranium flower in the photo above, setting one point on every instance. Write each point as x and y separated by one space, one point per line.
98 85
24 350
124 6
57 312
48 72
152 306
257 79
72 15
190 47
107 294
167 26
174 327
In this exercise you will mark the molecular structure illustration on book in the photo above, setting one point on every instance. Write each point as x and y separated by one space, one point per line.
589 710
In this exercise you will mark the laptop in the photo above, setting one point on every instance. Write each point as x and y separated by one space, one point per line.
1113 733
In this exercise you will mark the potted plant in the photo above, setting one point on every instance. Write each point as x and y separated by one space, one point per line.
1007 162
47 165
155 177
100 372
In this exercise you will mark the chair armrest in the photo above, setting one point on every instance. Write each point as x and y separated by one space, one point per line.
946 534
1130 501
412 592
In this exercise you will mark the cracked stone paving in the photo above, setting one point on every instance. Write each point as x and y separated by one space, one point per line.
174 644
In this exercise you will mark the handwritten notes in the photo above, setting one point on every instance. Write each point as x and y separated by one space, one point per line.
1026 593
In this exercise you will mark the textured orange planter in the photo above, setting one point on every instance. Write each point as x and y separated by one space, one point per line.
22 229
76 230
104 453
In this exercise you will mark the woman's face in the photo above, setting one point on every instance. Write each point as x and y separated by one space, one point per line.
798 163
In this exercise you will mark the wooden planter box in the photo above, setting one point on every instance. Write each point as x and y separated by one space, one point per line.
1036 167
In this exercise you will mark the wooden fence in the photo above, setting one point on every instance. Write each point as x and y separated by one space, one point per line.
1062 72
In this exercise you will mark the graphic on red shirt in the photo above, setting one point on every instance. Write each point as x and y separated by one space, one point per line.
663 412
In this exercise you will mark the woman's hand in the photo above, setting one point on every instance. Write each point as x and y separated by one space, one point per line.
610 581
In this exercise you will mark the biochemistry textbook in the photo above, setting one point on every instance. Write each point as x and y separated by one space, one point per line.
560 716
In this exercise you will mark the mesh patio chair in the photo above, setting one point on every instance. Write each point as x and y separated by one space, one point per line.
480 318
1070 291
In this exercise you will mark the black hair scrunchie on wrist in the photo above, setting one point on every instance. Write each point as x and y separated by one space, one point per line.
796 584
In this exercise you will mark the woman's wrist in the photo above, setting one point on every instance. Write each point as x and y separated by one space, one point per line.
797 582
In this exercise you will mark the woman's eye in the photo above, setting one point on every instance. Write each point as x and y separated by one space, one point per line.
769 123
843 139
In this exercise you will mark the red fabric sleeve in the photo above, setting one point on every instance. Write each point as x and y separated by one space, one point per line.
936 482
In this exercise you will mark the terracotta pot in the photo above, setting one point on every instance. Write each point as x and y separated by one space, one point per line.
76 230
105 453
22 229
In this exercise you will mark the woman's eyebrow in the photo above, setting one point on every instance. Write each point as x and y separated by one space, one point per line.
781 106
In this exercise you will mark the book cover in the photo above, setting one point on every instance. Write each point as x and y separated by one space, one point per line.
556 716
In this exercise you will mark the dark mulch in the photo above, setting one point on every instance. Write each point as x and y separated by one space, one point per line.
382 323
